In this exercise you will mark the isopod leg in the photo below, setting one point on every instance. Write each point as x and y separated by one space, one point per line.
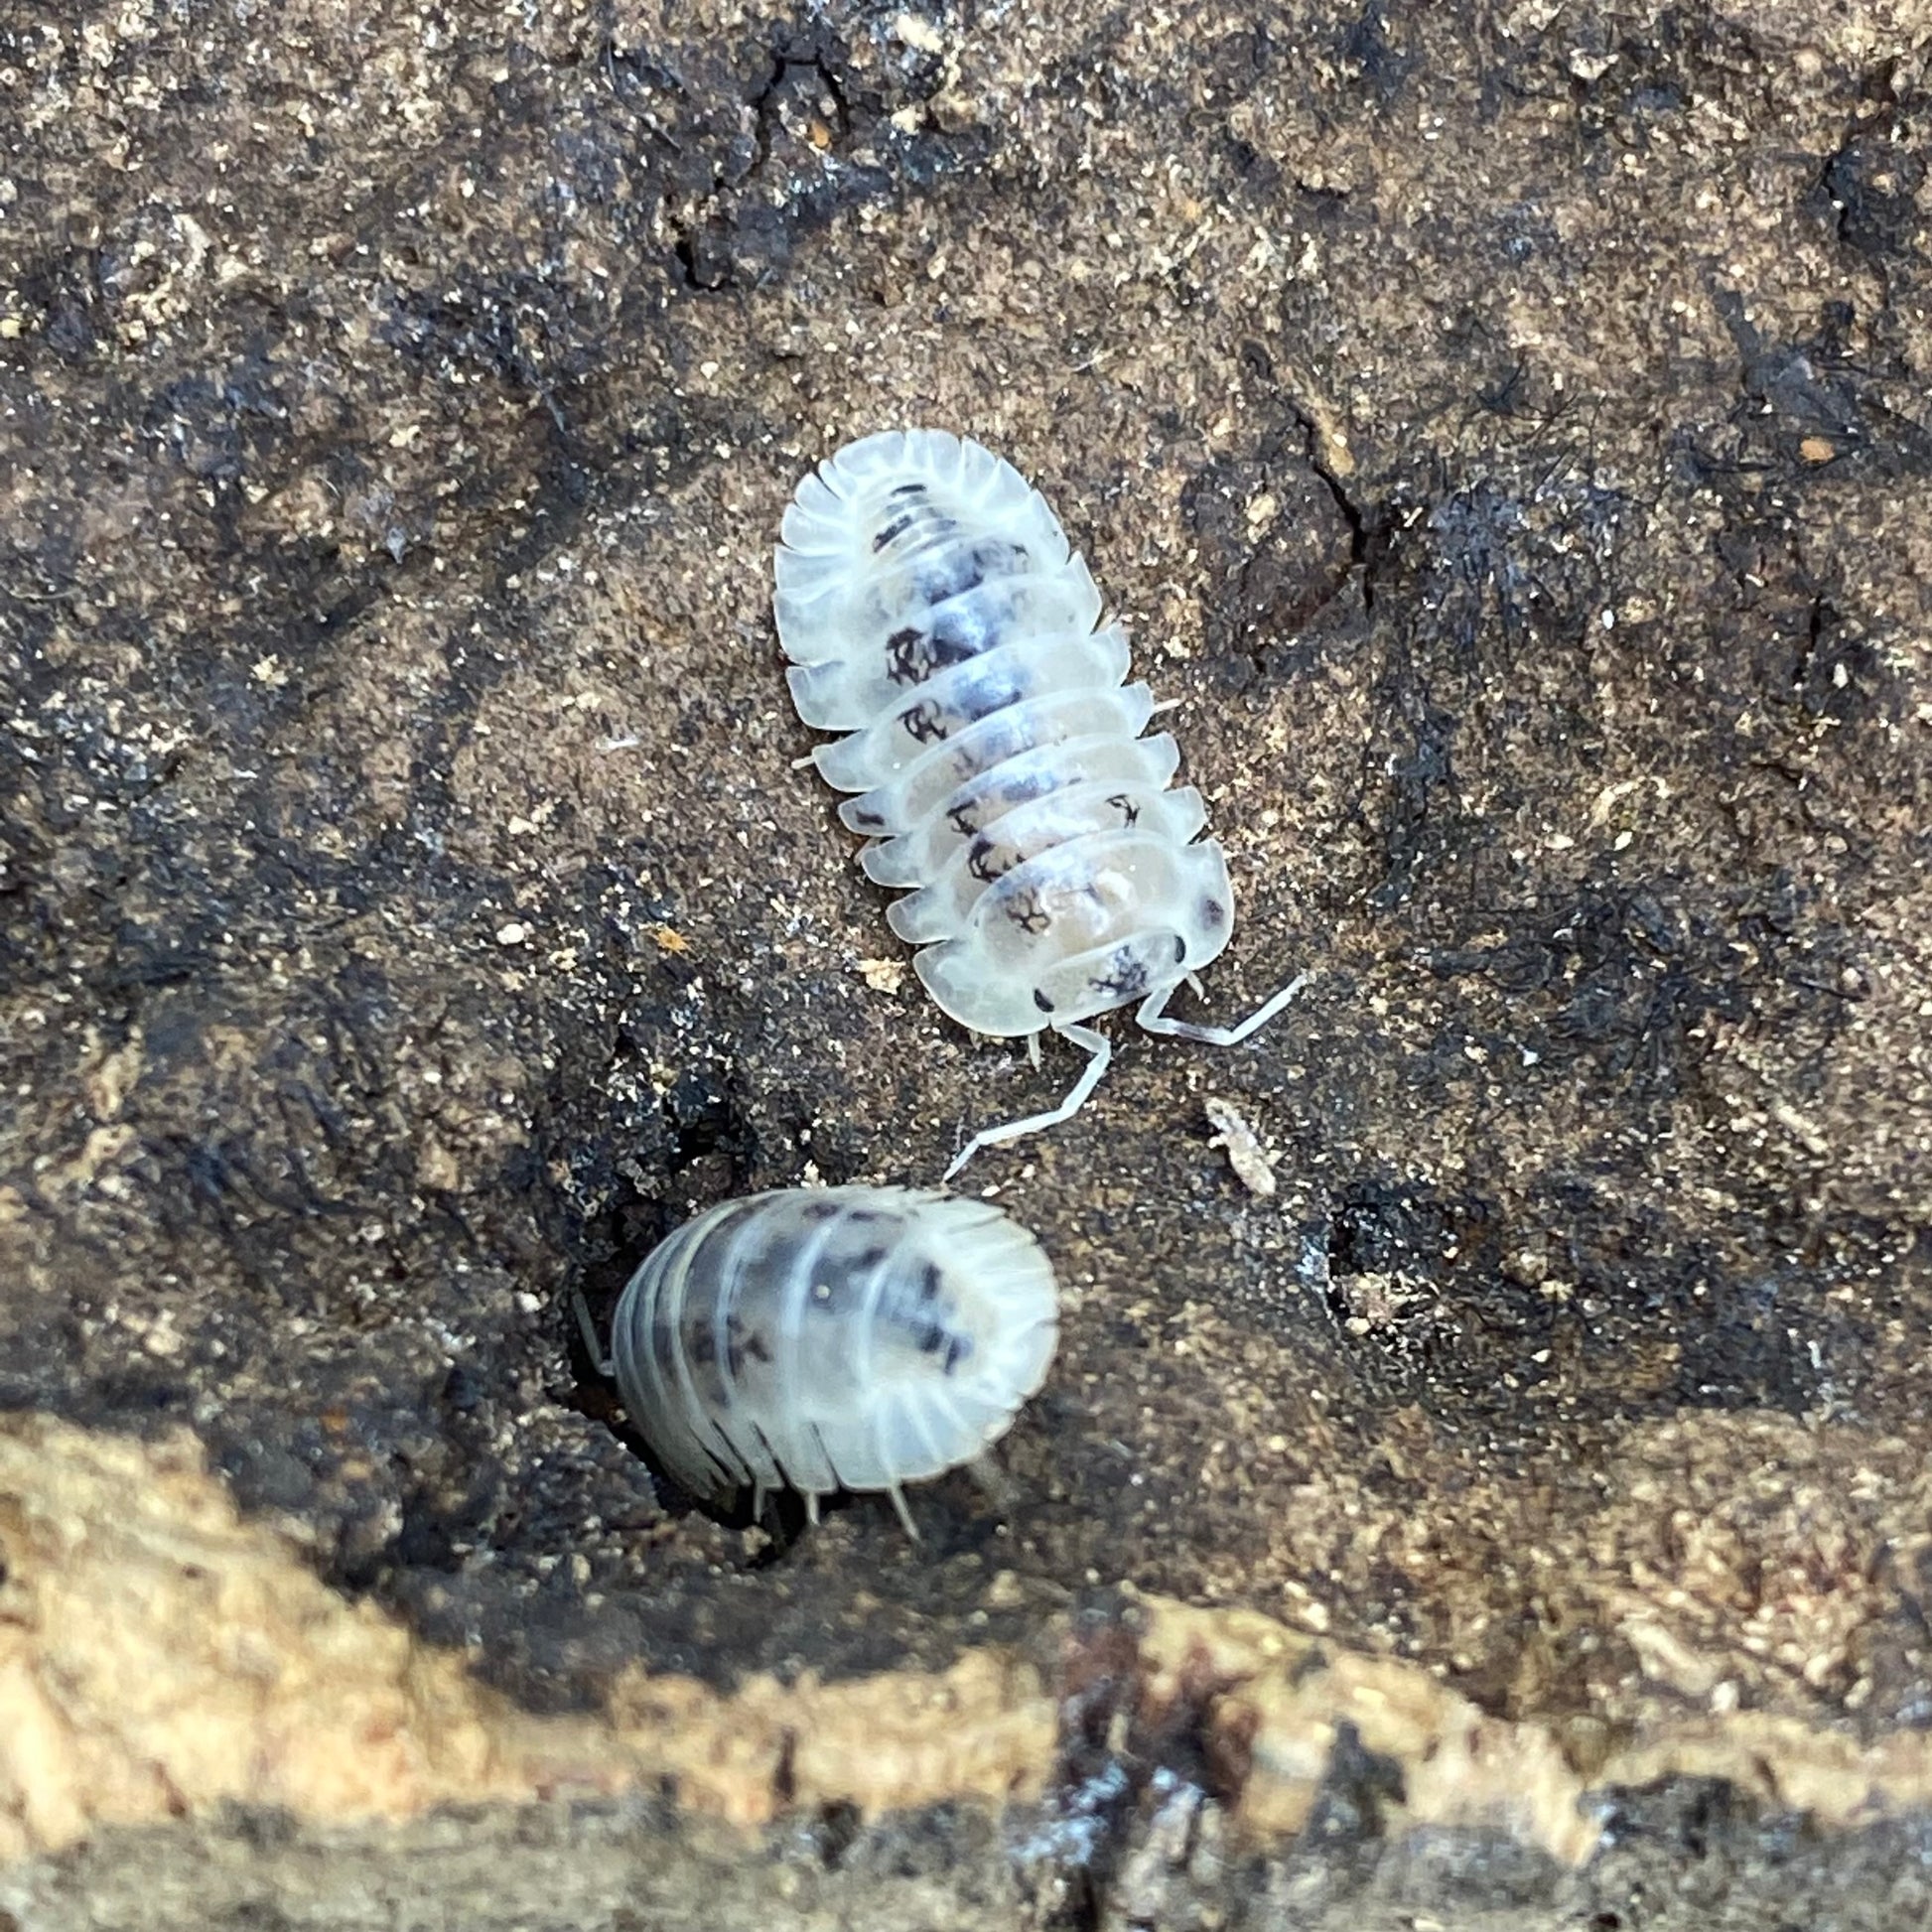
905 1515
811 1507
1154 1020
1102 1051
599 1361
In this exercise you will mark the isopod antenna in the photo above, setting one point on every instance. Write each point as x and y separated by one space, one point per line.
1100 1050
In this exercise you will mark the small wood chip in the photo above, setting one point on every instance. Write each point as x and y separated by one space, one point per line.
1251 1166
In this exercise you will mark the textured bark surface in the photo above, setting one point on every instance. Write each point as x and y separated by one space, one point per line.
1503 428
164 1659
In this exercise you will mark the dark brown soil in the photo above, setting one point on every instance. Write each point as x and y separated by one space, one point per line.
1506 435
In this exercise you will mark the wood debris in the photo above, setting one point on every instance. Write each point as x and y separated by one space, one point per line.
1251 1166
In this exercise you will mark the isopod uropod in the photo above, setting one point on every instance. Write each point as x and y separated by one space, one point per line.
933 609
832 1337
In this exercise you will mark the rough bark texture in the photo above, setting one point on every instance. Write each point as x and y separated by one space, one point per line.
1503 427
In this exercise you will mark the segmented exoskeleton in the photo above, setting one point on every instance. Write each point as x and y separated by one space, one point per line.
933 609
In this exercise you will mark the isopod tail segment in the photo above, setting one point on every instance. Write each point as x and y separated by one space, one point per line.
1152 1018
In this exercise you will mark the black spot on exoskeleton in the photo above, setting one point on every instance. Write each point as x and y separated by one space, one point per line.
924 723
744 1345
1127 806
1212 912
907 490
867 821
897 529
1026 911
1180 949
869 1259
980 861
931 1282
935 1338
964 819
820 1210
1042 1001
902 655
1126 978
913 655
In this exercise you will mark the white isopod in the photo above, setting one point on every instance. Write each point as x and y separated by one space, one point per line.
829 1338
933 609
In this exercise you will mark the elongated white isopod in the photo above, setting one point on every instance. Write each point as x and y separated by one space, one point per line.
933 609
829 1338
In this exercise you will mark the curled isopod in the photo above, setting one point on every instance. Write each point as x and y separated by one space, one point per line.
825 1338
933 609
